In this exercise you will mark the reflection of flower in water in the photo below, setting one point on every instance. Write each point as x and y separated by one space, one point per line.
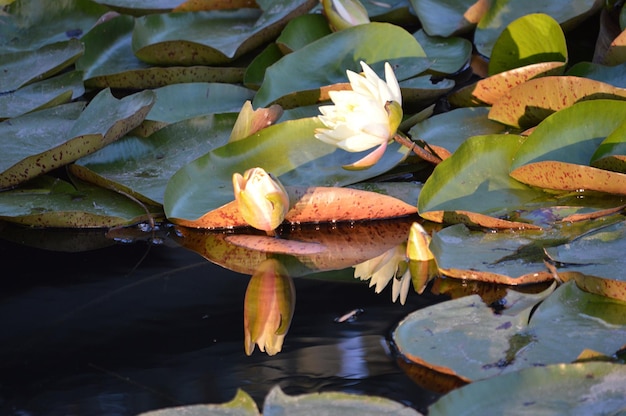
268 307
405 263
392 264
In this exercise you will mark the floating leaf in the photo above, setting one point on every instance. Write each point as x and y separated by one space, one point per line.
556 155
449 17
529 103
301 31
614 75
325 61
50 202
595 260
137 8
288 150
241 405
466 338
31 24
314 205
611 154
582 388
450 129
489 90
142 166
213 37
122 69
531 39
511 258
474 182
447 55
20 68
502 12
199 5
103 121
44 94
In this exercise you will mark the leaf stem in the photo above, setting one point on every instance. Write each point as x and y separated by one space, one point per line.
421 148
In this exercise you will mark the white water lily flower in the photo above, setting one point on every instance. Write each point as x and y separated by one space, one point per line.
380 270
364 117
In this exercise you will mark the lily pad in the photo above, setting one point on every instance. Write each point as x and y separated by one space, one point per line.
241 405
31 24
557 154
122 69
529 103
325 61
531 39
51 202
142 166
449 17
474 182
489 90
558 389
596 259
465 337
614 75
30 150
314 205
301 31
138 8
212 37
450 129
44 94
502 12
611 154
505 257
288 150
447 55
20 68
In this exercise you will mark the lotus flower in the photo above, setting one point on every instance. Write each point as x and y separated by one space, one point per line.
261 199
268 308
364 117
342 14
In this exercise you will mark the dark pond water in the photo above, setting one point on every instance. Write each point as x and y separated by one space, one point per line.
126 329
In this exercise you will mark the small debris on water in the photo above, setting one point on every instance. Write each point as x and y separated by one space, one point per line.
350 316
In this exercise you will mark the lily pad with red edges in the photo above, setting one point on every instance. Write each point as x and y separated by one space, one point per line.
528 104
558 152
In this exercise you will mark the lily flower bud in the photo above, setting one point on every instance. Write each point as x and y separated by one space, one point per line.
342 14
262 200
268 308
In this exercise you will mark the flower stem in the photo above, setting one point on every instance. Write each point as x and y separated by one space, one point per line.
422 152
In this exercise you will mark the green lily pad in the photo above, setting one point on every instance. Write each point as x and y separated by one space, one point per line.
138 8
20 68
122 69
288 150
531 39
559 389
502 12
31 24
505 257
141 167
301 31
331 403
213 37
598 256
450 129
325 61
449 17
558 152
44 94
611 154
241 405
51 202
614 75
31 148
447 55
474 182
466 338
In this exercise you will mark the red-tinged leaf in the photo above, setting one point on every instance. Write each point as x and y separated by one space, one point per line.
275 245
570 177
313 205
201 5
474 219
528 104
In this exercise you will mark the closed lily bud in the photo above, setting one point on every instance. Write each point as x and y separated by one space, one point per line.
261 199
342 14
417 246
268 308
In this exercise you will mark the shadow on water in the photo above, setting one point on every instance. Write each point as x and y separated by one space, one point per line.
92 334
